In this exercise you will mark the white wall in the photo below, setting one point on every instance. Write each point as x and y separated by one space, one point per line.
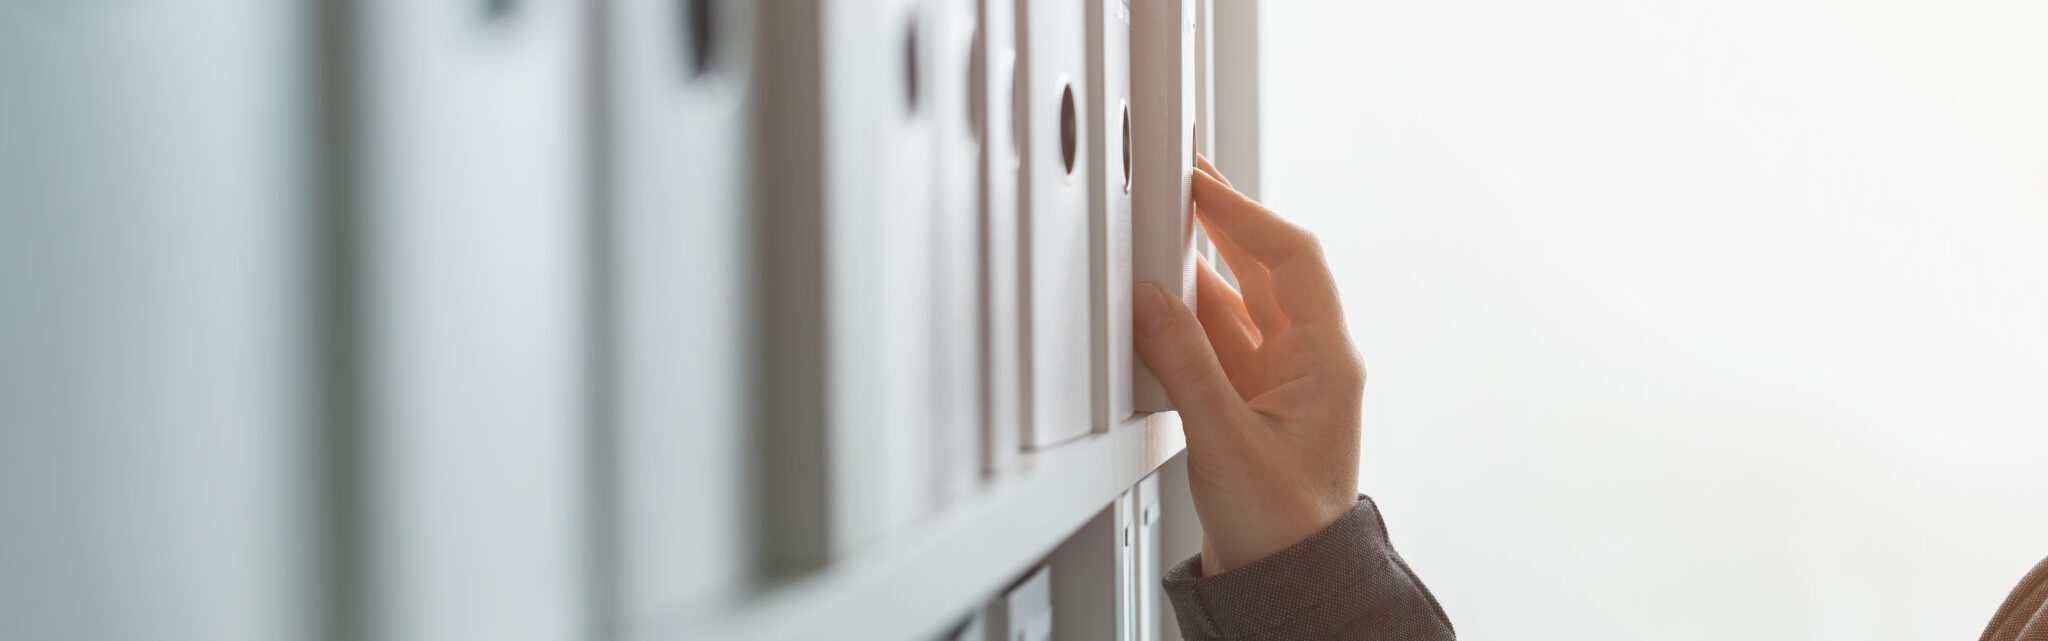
1687 320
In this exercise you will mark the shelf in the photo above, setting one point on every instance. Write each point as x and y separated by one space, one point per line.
915 584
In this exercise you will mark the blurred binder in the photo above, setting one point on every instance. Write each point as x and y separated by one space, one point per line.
1205 107
1002 241
1146 601
471 235
1025 612
1109 208
681 280
845 213
1053 192
160 281
1162 220
1093 586
958 89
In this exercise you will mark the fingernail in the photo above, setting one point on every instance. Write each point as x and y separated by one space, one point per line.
1151 310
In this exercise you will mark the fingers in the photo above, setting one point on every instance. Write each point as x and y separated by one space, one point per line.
1258 292
1173 345
1202 163
1302 286
1257 284
1229 327
1252 276
1268 238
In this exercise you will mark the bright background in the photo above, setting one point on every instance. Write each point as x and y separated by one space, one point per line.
1687 320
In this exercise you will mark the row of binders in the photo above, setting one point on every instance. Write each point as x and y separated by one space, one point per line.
1102 583
515 319
915 225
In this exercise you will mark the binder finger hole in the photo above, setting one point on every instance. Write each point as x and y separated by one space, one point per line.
496 10
1070 128
1127 147
1016 114
698 36
910 65
977 88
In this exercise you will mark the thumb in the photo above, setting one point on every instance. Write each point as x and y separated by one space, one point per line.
1171 342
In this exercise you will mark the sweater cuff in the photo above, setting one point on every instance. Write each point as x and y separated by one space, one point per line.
1323 585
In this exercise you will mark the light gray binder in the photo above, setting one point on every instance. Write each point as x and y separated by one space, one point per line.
160 387
472 232
958 89
679 111
1109 208
1146 604
1162 221
1053 190
1002 240
1205 106
1092 584
1025 612
845 215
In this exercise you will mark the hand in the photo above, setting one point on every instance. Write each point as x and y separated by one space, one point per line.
1268 384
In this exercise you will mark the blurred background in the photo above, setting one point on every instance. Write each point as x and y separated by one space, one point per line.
1687 320
454 319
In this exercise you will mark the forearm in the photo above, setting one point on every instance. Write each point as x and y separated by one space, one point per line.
1345 583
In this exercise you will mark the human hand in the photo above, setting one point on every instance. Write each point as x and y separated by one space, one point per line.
1268 383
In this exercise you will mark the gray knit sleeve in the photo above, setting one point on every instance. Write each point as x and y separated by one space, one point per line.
1344 583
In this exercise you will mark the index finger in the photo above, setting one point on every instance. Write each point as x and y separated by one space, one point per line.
1263 234
1202 164
1300 278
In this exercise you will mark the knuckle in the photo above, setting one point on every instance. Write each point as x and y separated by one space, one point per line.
1349 372
1311 245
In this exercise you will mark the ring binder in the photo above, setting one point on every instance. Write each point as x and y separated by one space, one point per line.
1162 218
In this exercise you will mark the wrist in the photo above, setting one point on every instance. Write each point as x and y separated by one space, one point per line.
1272 530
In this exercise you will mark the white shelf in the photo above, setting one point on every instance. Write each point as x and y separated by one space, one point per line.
918 582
